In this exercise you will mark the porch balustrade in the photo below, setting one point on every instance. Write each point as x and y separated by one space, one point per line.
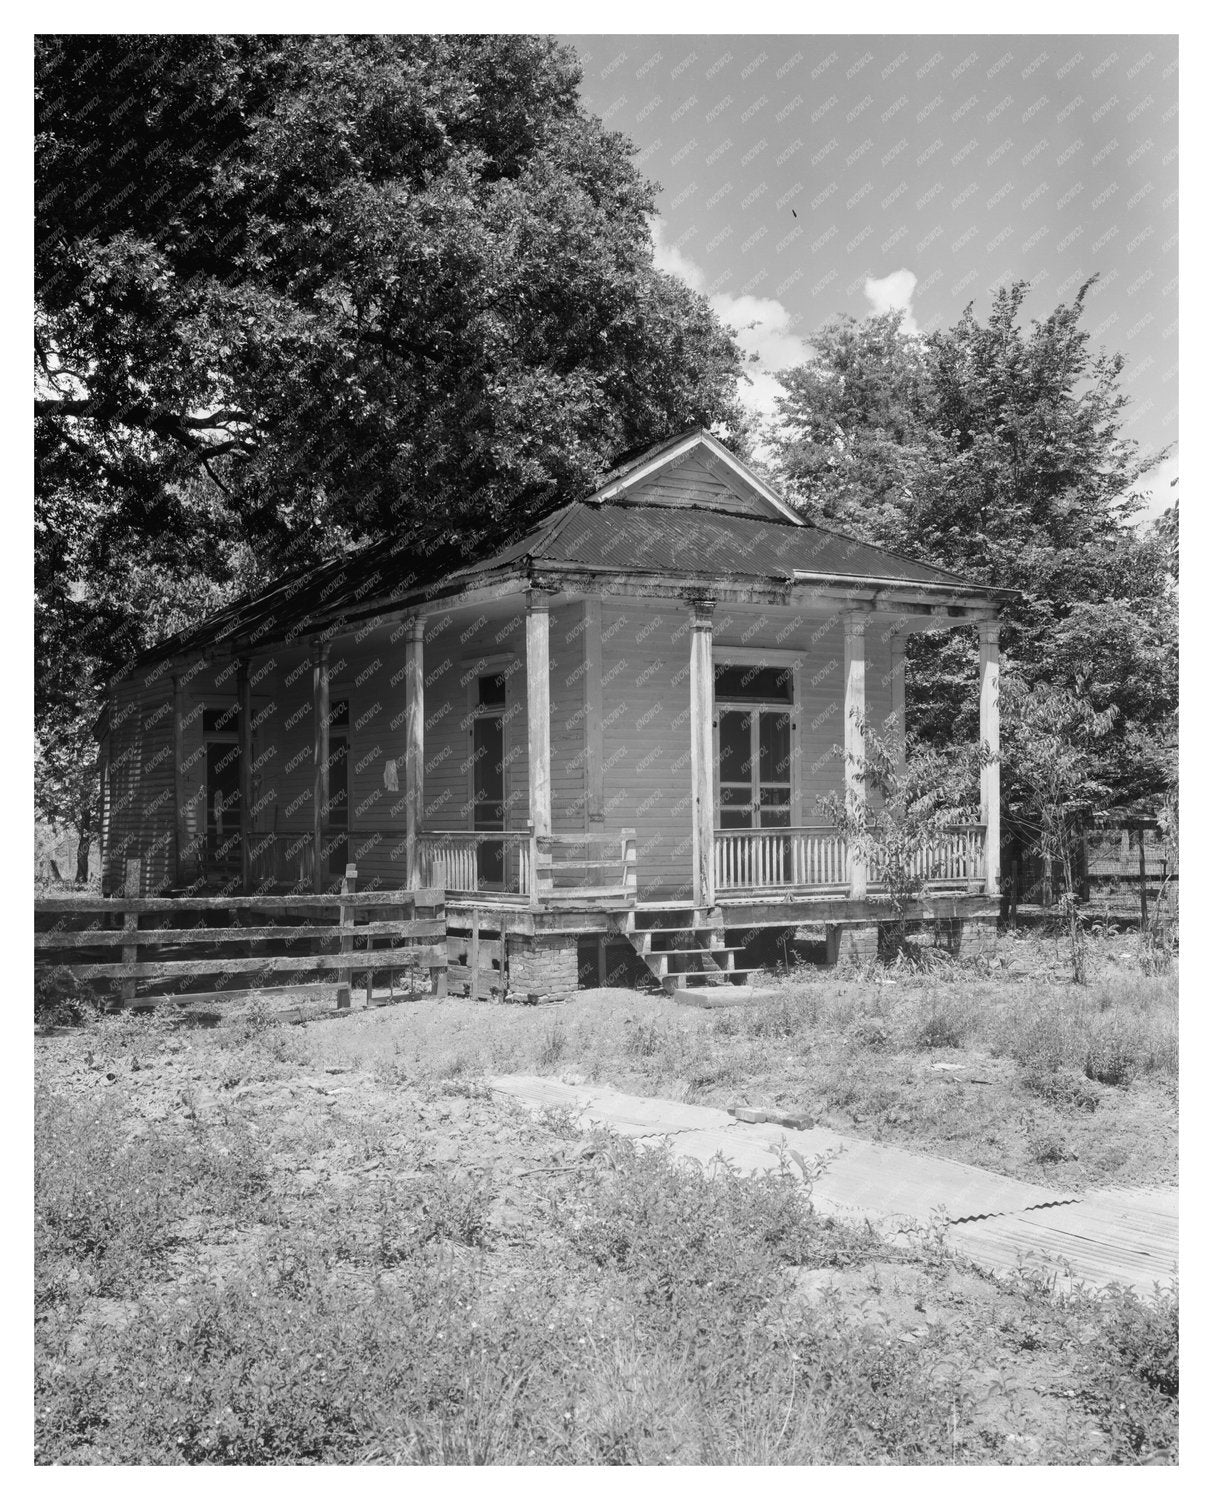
815 859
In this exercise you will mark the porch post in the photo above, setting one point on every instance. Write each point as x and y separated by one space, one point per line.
990 792
703 802
538 715
320 758
414 747
245 695
854 710
897 685
181 832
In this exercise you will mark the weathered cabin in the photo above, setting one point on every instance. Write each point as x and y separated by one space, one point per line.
617 726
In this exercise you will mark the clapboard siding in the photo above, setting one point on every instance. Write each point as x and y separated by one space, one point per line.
693 482
644 725
140 802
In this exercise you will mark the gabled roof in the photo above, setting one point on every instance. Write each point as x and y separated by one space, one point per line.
634 471
617 529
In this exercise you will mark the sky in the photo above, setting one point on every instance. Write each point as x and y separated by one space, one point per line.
807 177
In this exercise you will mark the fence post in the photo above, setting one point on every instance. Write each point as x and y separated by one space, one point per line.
1141 870
130 923
346 920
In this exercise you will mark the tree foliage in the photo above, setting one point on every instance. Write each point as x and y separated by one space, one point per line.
292 292
997 451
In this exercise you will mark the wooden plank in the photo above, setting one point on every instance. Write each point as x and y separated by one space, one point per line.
539 714
474 956
349 886
427 955
320 756
107 937
130 950
212 997
414 746
244 696
432 897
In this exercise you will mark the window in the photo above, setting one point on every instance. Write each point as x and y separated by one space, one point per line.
490 691
753 684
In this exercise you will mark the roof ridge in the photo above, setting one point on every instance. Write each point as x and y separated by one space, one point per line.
710 510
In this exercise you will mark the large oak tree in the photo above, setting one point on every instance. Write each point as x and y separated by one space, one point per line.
293 292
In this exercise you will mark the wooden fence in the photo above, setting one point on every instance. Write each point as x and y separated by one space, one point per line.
375 932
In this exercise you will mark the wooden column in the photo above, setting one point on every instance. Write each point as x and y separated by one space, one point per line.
180 826
990 809
414 748
897 689
245 697
702 799
320 758
854 712
538 714
594 795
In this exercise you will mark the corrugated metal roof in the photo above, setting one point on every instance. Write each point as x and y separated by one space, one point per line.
666 539
615 536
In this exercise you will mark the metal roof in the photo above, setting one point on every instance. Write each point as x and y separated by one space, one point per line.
615 536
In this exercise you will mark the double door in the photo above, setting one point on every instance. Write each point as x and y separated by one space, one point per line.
755 767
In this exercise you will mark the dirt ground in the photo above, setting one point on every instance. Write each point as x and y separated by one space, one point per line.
338 1109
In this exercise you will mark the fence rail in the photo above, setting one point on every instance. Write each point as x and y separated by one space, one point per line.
370 939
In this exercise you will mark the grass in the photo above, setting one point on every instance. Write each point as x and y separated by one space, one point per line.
1031 1058
261 1245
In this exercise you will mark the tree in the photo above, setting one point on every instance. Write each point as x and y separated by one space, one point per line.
294 292
909 804
1053 742
996 451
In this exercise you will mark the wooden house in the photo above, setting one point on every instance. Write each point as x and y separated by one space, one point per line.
616 726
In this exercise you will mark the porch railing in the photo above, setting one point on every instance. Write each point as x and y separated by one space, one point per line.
748 859
461 862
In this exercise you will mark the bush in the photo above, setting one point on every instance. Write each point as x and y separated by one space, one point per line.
60 999
1062 1088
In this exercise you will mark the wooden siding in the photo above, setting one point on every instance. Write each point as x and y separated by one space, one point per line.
641 733
694 481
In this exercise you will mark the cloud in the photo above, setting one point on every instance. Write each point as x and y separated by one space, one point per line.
1159 489
763 325
892 293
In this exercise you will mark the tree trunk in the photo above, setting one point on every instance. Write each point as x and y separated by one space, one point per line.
84 830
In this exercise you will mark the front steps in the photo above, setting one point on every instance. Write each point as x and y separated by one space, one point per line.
682 947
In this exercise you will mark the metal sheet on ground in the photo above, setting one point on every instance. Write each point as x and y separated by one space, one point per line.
882 1183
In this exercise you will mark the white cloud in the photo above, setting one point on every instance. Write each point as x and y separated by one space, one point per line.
893 293
763 324
1159 489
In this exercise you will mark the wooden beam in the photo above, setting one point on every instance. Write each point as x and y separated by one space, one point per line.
594 794
538 714
414 747
854 712
245 698
320 758
989 731
702 802
180 825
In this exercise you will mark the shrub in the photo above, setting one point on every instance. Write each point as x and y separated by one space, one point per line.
61 999
1062 1087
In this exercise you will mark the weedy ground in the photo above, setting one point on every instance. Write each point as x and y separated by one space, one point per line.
264 1244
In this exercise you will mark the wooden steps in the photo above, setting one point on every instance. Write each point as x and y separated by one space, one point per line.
680 948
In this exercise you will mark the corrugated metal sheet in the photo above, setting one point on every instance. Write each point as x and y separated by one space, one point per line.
661 539
616 536
1110 1236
